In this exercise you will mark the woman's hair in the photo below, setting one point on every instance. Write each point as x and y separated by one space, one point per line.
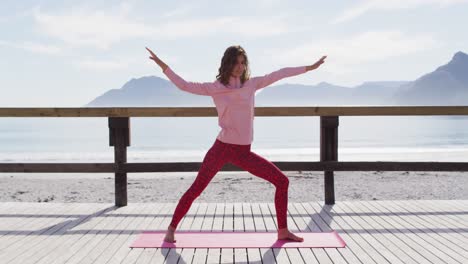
228 62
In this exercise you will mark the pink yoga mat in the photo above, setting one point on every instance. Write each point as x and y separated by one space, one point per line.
206 239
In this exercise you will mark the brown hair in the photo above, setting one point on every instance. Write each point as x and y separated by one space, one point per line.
228 62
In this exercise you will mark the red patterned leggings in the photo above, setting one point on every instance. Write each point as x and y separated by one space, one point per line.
240 155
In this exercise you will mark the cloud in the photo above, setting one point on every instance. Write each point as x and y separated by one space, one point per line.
81 26
34 47
101 65
370 5
249 27
177 12
84 27
357 50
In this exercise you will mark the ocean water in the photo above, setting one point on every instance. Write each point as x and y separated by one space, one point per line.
388 138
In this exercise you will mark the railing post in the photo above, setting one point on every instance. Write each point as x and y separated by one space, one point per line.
119 137
329 152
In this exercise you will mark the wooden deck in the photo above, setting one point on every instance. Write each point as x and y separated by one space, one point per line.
405 231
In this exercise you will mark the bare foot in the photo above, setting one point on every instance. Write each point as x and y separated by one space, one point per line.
170 235
285 234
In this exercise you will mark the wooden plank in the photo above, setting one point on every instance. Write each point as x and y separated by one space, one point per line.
57 167
437 221
253 254
117 224
326 213
8 208
443 230
390 218
214 254
183 254
257 217
249 224
267 255
207 224
300 219
240 254
195 166
162 223
403 229
354 241
320 255
323 255
32 221
74 240
69 243
269 218
211 111
454 216
440 240
398 243
228 219
446 211
30 242
118 140
290 166
414 240
333 253
21 217
329 152
187 254
29 217
148 223
300 165
119 248
144 221
381 238
219 217
13 217
204 215
91 240
43 240
460 205
199 217
227 254
435 239
238 218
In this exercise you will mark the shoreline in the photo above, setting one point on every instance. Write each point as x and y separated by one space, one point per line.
233 187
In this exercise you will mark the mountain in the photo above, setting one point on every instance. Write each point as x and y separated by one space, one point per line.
369 93
149 91
447 85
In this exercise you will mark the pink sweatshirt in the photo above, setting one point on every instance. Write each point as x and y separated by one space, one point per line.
234 104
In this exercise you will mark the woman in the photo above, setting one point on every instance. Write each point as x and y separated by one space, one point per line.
233 93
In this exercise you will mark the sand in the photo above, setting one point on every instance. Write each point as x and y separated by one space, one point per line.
234 187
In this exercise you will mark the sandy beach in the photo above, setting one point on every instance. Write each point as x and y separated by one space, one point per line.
233 187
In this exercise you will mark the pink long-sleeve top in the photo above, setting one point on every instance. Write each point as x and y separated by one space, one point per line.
235 102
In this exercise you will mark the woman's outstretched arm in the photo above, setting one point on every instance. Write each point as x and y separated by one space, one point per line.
264 81
207 88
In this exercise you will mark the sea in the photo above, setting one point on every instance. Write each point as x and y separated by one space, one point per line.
172 139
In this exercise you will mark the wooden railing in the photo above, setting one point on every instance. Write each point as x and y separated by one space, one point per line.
119 135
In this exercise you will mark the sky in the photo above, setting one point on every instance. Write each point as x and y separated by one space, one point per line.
66 53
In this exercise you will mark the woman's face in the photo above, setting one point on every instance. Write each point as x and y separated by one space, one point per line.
239 68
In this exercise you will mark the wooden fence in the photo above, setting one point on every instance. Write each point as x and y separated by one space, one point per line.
119 138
